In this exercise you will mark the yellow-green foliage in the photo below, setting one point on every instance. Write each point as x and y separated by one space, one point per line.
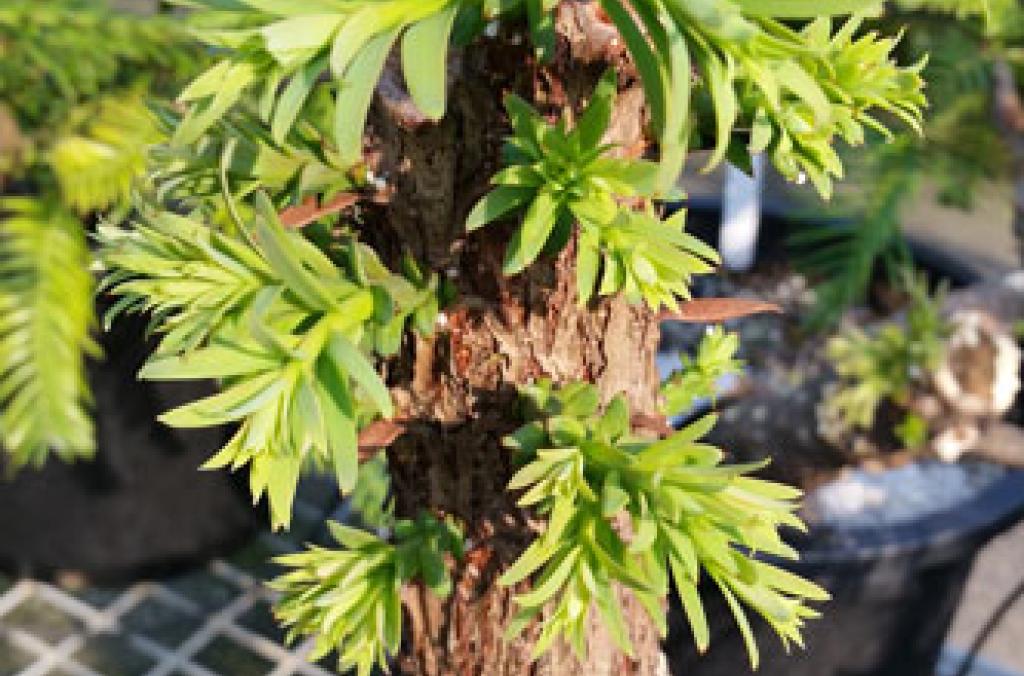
885 364
699 375
45 322
795 90
561 178
74 77
690 515
57 54
962 145
289 334
292 321
103 152
350 598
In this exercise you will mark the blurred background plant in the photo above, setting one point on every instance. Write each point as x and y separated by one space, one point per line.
973 132
699 376
75 77
885 366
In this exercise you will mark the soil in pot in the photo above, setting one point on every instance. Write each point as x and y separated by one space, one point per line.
141 506
892 534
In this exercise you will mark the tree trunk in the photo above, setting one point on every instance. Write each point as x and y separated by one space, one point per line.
462 394
458 389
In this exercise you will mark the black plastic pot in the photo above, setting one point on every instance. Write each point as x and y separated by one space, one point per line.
895 590
141 505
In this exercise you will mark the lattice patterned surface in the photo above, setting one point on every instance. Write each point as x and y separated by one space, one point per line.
212 621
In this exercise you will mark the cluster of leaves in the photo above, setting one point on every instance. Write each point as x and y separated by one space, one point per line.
288 330
771 88
793 90
73 133
73 79
272 42
46 319
350 598
102 153
561 178
236 157
290 321
699 376
886 364
57 54
631 511
960 146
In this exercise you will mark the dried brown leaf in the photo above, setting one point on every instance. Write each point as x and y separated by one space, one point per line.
717 310
649 423
303 214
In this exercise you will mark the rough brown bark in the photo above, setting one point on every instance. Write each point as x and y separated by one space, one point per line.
461 396
457 390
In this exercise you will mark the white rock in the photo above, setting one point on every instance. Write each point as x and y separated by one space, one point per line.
953 442
971 328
